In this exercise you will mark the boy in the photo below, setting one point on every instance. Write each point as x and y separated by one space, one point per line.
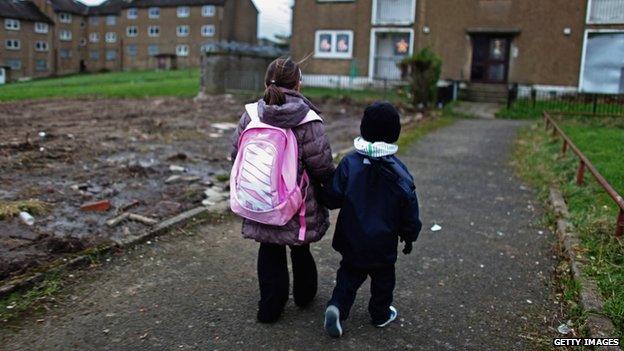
378 205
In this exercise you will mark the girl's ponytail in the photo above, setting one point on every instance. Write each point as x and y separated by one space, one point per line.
281 73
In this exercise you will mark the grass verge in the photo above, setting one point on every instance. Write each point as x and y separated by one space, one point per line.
414 132
526 109
538 160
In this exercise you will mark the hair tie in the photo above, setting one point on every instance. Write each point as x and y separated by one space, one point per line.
273 81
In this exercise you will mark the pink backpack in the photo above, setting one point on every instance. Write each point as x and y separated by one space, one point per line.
263 183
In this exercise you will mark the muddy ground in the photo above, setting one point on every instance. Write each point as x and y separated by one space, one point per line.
67 153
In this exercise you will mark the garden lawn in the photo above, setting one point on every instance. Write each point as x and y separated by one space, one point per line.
132 84
593 213
525 109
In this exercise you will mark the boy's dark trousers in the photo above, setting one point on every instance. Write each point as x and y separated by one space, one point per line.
274 279
348 281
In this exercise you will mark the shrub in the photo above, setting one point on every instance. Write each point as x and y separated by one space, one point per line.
422 71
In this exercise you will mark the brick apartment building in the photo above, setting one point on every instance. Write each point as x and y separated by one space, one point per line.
120 34
554 44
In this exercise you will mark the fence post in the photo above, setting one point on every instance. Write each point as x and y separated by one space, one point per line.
564 147
595 104
619 226
580 175
534 96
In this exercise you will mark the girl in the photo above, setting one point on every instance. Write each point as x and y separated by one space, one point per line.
283 106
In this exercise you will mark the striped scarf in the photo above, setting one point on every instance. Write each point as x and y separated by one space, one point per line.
376 149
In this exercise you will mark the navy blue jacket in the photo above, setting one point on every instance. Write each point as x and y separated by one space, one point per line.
378 205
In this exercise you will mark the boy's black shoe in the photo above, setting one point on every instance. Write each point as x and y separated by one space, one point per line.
332 321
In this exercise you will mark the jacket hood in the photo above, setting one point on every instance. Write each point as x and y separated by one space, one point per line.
288 115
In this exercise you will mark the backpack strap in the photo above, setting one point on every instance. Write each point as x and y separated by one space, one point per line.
311 117
252 111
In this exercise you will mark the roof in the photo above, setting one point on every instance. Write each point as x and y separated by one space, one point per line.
69 6
23 10
171 3
108 7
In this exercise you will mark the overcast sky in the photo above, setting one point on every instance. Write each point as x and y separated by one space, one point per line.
274 16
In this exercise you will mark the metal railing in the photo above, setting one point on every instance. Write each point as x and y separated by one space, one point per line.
585 163
566 101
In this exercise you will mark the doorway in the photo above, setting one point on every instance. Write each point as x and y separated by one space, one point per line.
490 59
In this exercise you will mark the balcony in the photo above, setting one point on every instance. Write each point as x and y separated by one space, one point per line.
394 12
605 12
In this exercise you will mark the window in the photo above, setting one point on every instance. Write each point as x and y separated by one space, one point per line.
94 37
605 12
41 65
333 44
110 37
111 20
111 55
208 30
41 27
65 35
132 31
153 31
183 31
132 50
94 20
133 13
603 69
208 10
11 24
41 46
65 53
153 12
14 64
65 17
153 50
83 42
12 44
94 55
394 11
182 50
184 11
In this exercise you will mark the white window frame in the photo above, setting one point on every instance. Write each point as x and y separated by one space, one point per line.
411 21
13 44
333 54
209 10
110 37
153 35
41 27
83 42
135 51
67 37
150 46
12 24
183 11
373 45
94 37
181 34
69 53
132 31
588 16
153 15
19 66
584 51
65 17
183 53
132 13
208 33
111 20
111 59
41 46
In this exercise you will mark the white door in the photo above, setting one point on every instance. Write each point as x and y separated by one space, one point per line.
2 76
390 49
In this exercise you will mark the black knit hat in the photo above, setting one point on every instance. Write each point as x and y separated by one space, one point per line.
381 122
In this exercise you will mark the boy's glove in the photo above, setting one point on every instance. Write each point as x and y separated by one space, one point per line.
408 247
